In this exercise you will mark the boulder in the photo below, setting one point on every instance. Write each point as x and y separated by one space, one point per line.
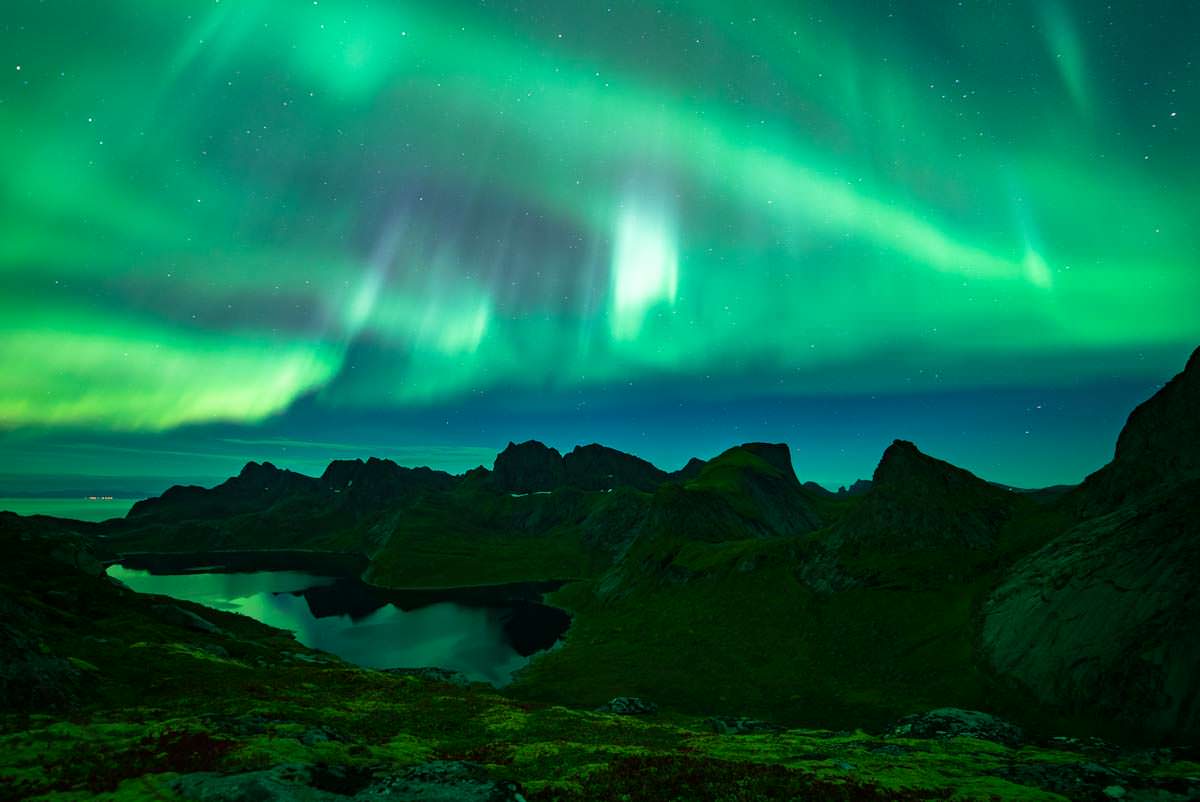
737 725
286 783
444 781
433 674
952 722
176 616
628 706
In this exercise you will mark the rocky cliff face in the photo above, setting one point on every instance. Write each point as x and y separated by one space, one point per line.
1105 619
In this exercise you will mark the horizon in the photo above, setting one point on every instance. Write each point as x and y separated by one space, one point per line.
451 460
1102 410
250 232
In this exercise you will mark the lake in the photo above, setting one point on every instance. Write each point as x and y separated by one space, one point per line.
81 509
485 632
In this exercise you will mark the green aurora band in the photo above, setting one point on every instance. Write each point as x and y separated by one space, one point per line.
212 209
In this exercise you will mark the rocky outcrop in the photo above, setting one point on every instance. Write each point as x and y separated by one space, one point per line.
176 616
433 674
437 781
628 706
444 781
953 722
737 725
1105 619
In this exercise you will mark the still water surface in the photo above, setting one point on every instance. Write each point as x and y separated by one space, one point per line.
487 636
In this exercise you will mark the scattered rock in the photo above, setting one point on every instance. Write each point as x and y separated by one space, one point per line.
628 706
286 783
736 725
318 735
1072 780
433 674
215 650
951 722
444 781
175 615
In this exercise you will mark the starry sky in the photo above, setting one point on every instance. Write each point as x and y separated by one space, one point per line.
298 231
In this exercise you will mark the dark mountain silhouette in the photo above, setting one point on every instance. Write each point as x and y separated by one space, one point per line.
528 467
597 467
532 467
859 487
918 502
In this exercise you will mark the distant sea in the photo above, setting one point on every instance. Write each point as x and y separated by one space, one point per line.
81 509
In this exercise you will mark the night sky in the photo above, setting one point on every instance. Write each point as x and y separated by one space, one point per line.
295 231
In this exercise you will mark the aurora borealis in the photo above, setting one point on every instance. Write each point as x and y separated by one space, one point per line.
303 230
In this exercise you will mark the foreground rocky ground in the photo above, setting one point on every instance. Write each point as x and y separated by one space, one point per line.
108 694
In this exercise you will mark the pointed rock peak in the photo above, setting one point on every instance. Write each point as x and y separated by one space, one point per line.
819 489
777 455
900 457
904 465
